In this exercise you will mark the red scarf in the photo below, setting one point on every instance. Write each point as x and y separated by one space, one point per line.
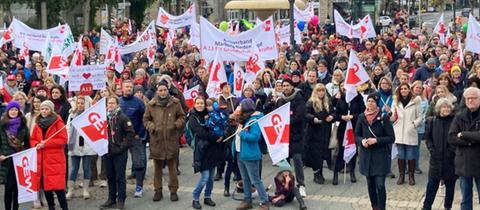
370 115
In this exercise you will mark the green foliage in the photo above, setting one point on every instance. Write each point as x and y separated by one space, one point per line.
137 10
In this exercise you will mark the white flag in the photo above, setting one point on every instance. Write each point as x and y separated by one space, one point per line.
303 15
217 76
254 64
92 126
275 128
47 52
166 20
349 143
356 76
459 54
341 27
364 29
472 40
190 95
114 56
239 79
408 53
27 175
440 29
105 39
194 34
77 58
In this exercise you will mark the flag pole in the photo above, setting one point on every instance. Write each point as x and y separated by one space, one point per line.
237 132
49 138
345 172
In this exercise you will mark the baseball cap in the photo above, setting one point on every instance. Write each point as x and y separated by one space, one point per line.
11 77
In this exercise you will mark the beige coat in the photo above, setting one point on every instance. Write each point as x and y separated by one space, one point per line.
165 125
406 120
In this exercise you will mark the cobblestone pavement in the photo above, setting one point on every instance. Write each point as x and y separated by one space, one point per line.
345 196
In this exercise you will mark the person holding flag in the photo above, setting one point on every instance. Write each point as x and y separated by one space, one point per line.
49 136
14 137
374 132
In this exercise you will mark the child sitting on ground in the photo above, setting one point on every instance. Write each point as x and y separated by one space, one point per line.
285 189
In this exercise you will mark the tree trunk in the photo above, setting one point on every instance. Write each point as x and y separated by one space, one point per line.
178 7
43 12
86 15
109 17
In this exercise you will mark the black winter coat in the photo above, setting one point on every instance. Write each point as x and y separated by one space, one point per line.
442 154
207 151
467 153
297 120
317 137
374 159
23 135
357 107
120 133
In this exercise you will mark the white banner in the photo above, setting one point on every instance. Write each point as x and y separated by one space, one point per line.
275 128
341 27
88 77
166 20
472 41
143 42
92 126
303 15
237 48
239 80
25 165
195 34
362 30
61 37
283 35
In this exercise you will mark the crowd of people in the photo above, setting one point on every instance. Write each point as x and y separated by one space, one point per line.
427 96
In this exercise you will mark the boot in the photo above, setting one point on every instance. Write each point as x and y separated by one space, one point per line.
335 178
318 177
264 206
86 194
71 186
108 204
301 204
353 178
401 172
411 172
244 206
120 205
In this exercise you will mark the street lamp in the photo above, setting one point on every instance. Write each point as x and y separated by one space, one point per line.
292 31
454 17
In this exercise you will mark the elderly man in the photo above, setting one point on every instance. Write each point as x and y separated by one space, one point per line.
164 119
464 134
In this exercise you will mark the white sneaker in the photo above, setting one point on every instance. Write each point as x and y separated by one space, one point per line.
302 191
138 192
103 183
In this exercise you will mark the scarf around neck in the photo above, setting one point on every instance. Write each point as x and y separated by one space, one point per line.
45 122
370 115
13 125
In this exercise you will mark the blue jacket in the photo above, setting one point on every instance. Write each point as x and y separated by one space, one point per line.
26 71
250 137
134 108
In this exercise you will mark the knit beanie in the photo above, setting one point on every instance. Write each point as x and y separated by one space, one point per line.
12 104
48 104
247 105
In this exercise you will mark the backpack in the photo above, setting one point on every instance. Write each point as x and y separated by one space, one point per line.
189 136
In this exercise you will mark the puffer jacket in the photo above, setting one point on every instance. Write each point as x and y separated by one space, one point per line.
406 120
165 125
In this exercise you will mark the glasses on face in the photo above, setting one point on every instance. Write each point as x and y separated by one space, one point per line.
471 98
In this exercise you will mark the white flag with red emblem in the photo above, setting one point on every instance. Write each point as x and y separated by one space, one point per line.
364 29
114 56
194 34
28 182
449 39
190 95
472 41
408 52
239 79
217 76
275 128
58 63
459 54
350 149
254 63
356 76
341 27
7 35
25 53
152 47
92 126
77 58
440 29
170 38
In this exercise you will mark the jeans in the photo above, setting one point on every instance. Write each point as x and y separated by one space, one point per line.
406 152
115 167
376 191
232 167
298 165
466 185
205 179
432 187
61 196
139 160
249 169
87 168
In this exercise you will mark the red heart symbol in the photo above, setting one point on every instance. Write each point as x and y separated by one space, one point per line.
86 75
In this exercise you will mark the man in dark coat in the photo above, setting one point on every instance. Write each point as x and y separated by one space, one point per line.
464 133
425 72
297 119
307 86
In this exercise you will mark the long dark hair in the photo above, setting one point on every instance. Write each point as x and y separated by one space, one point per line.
5 118
32 109
63 97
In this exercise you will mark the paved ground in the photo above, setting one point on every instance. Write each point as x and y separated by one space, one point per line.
346 196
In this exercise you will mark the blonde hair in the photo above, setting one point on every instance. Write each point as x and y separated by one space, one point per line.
319 104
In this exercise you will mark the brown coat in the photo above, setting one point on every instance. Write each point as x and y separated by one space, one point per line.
165 125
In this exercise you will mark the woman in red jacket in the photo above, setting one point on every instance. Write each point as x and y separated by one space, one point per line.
50 137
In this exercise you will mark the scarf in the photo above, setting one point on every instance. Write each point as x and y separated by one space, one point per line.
405 100
45 122
13 125
113 113
370 115
11 90
321 75
163 101
57 103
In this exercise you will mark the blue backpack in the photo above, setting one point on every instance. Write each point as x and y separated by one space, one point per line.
189 136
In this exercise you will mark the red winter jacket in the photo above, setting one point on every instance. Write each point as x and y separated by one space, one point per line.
51 162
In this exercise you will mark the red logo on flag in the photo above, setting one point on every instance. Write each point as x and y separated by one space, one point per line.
352 75
267 25
252 64
238 81
8 34
276 129
25 176
164 19
442 28
215 71
97 130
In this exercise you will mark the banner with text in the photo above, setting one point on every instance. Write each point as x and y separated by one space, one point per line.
87 78
166 20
